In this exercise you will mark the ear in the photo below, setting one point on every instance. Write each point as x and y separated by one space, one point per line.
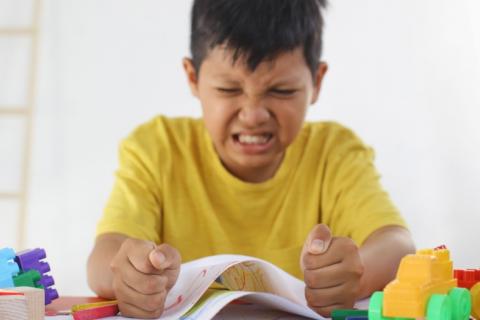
319 75
191 74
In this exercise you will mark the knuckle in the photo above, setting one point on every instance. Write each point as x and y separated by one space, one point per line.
310 278
155 303
309 296
349 245
358 269
309 261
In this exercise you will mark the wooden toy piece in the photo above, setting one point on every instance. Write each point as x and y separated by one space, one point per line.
22 303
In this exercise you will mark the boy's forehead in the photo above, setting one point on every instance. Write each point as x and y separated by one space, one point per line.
221 63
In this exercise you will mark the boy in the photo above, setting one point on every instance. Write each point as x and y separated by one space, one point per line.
251 177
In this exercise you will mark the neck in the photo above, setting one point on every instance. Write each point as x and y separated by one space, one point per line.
256 174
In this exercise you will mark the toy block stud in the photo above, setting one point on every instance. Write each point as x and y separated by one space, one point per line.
31 259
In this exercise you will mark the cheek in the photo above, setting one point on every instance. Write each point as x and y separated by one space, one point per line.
290 120
217 118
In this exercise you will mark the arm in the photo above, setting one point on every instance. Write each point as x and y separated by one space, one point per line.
138 273
99 273
337 273
381 254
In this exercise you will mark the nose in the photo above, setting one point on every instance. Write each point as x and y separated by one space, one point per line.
254 116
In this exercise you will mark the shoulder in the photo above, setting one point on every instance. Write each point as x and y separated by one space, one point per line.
163 131
333 138
156 140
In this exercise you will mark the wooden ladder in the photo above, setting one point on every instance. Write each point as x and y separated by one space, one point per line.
26 112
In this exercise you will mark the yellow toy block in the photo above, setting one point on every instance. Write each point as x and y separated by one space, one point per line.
475 291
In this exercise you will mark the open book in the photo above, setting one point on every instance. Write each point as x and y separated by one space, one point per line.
261 286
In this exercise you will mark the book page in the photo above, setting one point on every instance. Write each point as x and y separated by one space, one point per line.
252 279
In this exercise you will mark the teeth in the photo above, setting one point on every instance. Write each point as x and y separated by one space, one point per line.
247 139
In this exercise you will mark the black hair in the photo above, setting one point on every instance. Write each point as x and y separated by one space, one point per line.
257 30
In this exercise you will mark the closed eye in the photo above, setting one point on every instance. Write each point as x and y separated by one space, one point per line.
228 90
283 92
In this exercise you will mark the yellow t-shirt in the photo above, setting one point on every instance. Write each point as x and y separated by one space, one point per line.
171 187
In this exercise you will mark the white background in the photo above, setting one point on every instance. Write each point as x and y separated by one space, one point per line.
405 75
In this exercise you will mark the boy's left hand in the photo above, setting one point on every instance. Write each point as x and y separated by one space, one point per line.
332 270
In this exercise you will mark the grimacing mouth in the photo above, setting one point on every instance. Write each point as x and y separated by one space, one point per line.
257 138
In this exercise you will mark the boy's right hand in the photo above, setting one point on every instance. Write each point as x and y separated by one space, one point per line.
143 273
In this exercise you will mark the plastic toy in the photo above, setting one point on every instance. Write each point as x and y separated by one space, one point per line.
470 279
344 314
32 260
95 310
424 287
28 279
8 268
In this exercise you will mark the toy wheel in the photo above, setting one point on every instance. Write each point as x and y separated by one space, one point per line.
439 307
461 303
375 308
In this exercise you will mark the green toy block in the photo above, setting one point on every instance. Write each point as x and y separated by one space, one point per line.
342 314
28 279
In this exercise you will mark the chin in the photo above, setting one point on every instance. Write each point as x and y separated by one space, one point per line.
255 162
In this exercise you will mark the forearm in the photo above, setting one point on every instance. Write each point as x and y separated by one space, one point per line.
381 254
99 274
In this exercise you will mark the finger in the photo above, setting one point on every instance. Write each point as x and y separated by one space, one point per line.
139 281
323 298
148 303
340 250
165 257
146 283
326 277
132 311
138 255
318 239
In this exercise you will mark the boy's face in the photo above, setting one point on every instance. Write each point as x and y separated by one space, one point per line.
252 117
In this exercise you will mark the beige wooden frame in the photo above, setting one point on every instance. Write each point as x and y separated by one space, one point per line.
26 111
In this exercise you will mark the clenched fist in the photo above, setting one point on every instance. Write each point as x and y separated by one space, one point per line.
143 273
332 270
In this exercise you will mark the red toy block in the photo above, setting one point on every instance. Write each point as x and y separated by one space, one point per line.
96 313
467 278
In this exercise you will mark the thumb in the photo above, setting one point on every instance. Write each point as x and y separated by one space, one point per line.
157 258
318 239
164 257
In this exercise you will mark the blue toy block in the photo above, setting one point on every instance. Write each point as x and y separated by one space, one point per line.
8 268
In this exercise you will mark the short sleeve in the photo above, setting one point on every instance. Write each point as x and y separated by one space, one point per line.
134 205
354 202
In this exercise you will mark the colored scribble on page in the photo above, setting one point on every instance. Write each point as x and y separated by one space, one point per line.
246 276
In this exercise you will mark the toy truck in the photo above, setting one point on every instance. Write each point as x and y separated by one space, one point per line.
424 288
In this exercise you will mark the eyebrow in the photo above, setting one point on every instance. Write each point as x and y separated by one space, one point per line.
287 81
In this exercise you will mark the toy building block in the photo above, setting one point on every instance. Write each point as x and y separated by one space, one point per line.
95 310
22 303
30 278
32 260
8 267
344 314
470 279
475 292
467 278
424 287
